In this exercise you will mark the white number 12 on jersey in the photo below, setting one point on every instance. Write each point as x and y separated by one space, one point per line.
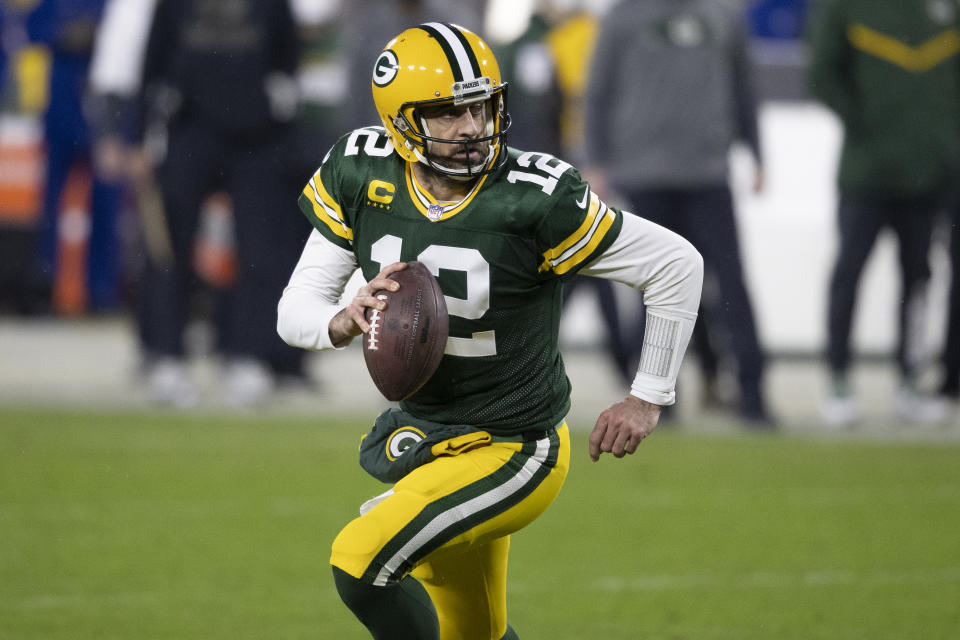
386 251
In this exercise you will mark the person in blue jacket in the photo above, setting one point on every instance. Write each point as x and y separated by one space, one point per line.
68 29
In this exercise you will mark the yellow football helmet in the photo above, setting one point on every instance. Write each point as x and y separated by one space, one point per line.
431 65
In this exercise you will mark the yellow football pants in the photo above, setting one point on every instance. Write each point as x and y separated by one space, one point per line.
448 523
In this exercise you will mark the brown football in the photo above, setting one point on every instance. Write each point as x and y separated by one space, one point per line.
407 339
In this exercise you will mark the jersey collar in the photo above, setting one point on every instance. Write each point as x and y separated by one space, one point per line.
427 205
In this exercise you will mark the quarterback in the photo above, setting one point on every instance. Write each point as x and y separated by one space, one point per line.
501 229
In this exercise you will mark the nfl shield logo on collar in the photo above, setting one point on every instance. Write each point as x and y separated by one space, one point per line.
434 212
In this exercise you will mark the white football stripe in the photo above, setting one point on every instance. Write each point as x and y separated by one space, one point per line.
463 511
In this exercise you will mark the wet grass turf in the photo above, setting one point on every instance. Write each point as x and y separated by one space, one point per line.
188 526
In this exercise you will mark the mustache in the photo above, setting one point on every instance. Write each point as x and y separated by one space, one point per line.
469 145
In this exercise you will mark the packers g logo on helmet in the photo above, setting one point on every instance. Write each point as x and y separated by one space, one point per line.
434 64
385 70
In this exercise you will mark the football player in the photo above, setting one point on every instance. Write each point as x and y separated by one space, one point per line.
501 229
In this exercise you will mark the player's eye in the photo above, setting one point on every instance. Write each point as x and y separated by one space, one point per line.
442 113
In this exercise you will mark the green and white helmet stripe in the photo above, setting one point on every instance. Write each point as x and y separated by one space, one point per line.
463 62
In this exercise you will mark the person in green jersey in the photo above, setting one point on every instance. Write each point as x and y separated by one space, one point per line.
890 71
482 448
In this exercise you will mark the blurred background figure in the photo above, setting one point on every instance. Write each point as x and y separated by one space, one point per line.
669 92
950 360
67 28
221 74
113 107
890 70
536 100
325 103
116 112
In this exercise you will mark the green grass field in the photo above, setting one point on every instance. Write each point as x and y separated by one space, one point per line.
168 526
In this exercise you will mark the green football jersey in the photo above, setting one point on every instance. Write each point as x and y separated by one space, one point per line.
500 256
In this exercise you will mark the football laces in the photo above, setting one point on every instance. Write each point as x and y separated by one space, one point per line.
374 326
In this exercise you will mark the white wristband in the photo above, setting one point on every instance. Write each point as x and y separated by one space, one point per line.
665 340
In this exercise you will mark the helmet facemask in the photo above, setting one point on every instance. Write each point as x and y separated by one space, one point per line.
412 124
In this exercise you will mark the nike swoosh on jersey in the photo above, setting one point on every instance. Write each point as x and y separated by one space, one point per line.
586 198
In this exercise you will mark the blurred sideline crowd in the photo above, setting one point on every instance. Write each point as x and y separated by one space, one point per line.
151 153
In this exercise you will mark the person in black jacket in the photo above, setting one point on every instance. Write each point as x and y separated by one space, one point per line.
669 92
225 70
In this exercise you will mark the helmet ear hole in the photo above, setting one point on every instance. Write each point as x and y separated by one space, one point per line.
400 123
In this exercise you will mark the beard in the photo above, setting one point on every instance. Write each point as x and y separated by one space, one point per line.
467 156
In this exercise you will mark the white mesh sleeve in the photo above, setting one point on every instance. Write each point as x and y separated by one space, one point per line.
669 270
312 297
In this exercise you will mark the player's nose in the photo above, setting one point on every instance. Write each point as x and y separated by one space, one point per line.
468 125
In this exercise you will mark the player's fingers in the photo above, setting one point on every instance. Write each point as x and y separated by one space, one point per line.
357 309
596 437
632 443
356 313
392 268
382 284
378 302
619 448
610 437
383 281
632 439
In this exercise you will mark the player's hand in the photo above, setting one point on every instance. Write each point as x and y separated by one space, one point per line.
622 427
351 320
